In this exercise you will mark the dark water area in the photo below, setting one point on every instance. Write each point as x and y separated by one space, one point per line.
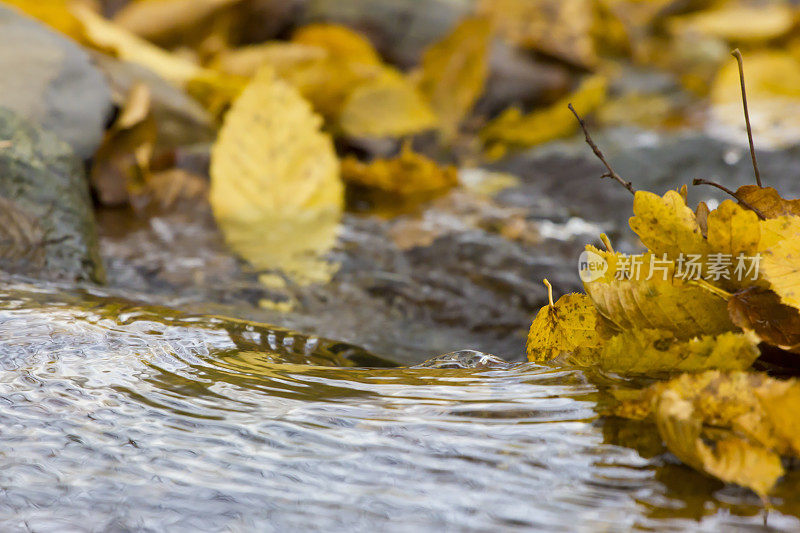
117 417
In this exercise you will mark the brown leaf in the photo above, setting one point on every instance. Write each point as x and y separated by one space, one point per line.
762 312
768 201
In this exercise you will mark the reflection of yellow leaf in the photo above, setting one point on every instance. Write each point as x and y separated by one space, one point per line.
568 324
736 23
275 186
561 28
341 43
515 129
652 351
454 72
670 304
388 106
408 173
666 225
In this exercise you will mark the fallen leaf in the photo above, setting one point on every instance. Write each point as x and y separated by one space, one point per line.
407 173
653 352
768 201
761 311
736 23
562 327
275 187
780 266
54 13
282 56
387 106
666 225
514 129
454 72
156 20
341 42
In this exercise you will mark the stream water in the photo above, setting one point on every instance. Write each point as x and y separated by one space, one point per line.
117 417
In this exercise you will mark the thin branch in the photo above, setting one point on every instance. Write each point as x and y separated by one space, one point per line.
738 55
699 181
610 174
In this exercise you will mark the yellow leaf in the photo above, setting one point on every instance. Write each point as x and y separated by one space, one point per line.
388 106
560 28
780 266
454 72
54 13
736 22
652 351
408 173
562 327
275 187
662 302
518 130
159 19
282 56
666 225
768 201
341 42
733 230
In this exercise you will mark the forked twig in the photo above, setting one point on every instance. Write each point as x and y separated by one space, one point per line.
700 181
738 55
610 174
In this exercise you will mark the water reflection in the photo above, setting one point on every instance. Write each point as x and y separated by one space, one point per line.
122 417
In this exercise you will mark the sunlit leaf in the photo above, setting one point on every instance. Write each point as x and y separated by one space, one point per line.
666 225
568 324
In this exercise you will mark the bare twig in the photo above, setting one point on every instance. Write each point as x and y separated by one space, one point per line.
738 55
699 181
610 174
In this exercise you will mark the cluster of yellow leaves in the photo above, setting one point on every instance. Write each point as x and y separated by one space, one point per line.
666 321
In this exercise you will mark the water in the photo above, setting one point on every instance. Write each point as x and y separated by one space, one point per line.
115 417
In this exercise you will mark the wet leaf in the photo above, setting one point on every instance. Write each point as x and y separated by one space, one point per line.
662 302
388 106
568 324
514 129
454 72
408 173
761 311
275 187
652 351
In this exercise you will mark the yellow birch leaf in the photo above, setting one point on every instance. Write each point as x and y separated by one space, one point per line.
341 42
666 225
733 230
775 230
652 351
780 266
408 173
275 187
662 302
388 106
542 125
454 72
781 401
562 327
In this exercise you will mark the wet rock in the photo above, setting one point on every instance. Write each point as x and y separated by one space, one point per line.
50 81
465 359
46 183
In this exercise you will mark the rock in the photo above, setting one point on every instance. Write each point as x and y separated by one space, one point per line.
50 81
46 182
465 359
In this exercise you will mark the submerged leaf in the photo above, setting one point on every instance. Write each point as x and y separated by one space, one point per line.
568 324
275 187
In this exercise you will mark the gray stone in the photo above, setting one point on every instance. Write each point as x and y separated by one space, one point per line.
49 80
44 179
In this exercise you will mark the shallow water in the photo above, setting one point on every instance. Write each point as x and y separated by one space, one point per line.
116 417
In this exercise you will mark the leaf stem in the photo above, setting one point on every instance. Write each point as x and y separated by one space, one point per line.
738 55
606 242
549 292
599 154
700 181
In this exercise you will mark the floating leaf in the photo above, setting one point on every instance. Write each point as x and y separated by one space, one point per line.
408 173
454 72
518 130
652 351
562 327
388 106
275 186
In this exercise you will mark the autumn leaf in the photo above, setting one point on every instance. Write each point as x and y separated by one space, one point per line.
283 57
768 201
561 327
736 22
761 311
666 225
653 351
454 72
54 13
662 302
780 266
159 19
275 187
339 41
408 173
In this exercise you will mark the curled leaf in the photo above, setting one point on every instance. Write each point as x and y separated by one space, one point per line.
761 311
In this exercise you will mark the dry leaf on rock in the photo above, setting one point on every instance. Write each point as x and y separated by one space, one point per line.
562 327
454 72
407 173
275 187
